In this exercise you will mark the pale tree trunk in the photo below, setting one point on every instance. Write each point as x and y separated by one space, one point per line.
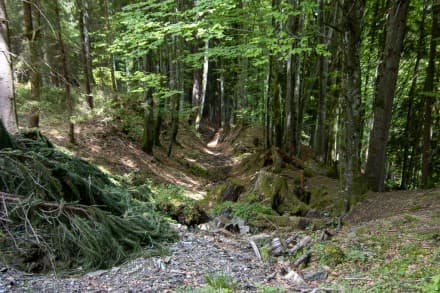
384 94
351 83
204 85
290 106
267 102
7 100
428 90
85 50
32 37
148 133
67 91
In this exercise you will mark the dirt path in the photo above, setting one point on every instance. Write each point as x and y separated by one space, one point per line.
194 163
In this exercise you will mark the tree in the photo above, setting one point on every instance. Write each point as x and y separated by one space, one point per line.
32 35
85 49
352 23
7 100
429 96
384 94
68 99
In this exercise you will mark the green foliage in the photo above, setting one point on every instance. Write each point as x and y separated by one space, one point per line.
244 210
69 211
433 286
223 283
330 254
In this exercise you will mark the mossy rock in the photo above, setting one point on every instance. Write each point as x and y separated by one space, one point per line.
273 190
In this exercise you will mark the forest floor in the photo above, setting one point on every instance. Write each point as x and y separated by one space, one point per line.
389 241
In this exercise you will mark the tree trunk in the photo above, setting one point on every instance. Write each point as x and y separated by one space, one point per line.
174 86
148 133
321 128
384 94
7 98
85 49
32 38
204 85
428 90
67 91
351 82
409 131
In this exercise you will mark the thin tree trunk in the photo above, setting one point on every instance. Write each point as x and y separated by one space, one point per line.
109 42
148 133
85 49
204 85
267 102
67 91
384 94
428 90
174 85
322 129
32 37
7 99
410 139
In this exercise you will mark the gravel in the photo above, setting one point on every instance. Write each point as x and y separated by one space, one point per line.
193 258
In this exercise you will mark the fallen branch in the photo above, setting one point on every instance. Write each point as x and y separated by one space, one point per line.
357 279
49 205
304 242
305 258
256 250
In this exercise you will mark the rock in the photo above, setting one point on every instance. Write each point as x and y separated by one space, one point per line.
295 278
316 276
96 273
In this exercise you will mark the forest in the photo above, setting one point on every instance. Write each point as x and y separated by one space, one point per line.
307 129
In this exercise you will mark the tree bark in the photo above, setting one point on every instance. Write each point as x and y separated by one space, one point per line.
32 37
351 82
7 99
410 132
428 90
204 86
384 94
67 89
85 50
148 133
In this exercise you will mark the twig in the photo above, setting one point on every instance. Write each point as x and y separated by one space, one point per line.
256 250
357 279
51 205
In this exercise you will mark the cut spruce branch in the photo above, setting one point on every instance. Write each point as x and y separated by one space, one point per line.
61 212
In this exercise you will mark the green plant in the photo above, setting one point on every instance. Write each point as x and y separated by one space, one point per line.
221 282
433 286
244 210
